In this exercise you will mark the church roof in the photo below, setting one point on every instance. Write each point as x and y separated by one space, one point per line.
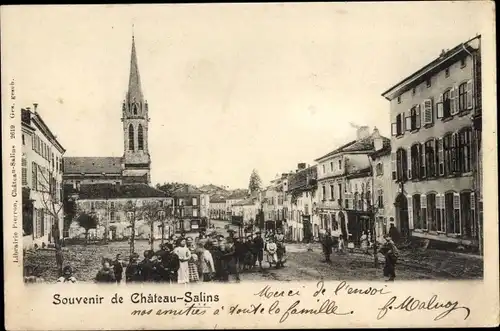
92 165
113 191
134 82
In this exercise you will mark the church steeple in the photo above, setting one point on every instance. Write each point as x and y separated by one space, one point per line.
137 160
134 81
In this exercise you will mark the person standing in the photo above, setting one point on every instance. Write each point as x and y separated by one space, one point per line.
118 267
105 274
194 275
133 271
184 255
390 252
207 263
364 242
258 248
147 266
327 246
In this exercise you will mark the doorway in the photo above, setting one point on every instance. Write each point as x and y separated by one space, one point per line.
402 215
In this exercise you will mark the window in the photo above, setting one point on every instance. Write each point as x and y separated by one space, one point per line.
33 142
355 202
195 212
195 201
332 193
24 165
447 149
379 169
452 212
447 72
439 157
440 212
401 165
399 99
413 121
428 82
134 108
24 142
331 166
462 63
92 205
444 105
140 138
467 205
431 211
462 97
112 215
323 168
423 211
112 205
340 164
130 137
413 90
34 173
397 127
340 191
415 161
417 221
427 112
324 192
464 150
430 158
380 198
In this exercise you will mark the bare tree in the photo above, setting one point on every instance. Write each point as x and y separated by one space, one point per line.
151 211
131 209
52 203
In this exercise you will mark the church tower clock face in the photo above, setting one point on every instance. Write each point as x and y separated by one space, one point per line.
136 158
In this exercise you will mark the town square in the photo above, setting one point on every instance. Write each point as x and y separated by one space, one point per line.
168 152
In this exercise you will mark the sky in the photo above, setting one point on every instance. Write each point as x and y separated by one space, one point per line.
230 87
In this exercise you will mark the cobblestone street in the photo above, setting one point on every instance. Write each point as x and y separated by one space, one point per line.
302 265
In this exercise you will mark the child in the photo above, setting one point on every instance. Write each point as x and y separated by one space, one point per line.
67 276
106 274
341 244
118 265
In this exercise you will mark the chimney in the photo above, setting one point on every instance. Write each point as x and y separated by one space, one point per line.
363 132
35 106
301 166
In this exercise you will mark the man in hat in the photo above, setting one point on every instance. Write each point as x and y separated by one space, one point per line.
258 249
239 252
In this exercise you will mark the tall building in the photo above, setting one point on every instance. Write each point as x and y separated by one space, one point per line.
135 164
42 191
435 150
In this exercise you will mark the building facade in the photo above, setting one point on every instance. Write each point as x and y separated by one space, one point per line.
247 209
116 207
233 198
434 151
218 207
135 164
191 209
345 185
42 189
303 221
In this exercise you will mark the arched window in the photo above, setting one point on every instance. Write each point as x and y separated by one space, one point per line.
134 108
130 137
140 138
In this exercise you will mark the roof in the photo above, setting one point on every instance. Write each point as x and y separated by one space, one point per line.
217 199
299 180
428 68
186 190
28 118
364 144
113 191
238 195
246 202
134 83
92 165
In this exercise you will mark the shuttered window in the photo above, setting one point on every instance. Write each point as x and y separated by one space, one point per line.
410 212
431 211
427 112
417 216
423 211
470 94
24 165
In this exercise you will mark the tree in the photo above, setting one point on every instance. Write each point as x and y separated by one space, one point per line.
255 182
151 211
87 221
52 202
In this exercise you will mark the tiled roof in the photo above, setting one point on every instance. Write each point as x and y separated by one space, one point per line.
112 191
247 202
237 195
217 199
92 165
338 150
186 190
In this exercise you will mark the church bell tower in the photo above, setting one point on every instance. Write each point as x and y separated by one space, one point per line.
136 158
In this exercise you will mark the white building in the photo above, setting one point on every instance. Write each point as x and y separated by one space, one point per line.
41 180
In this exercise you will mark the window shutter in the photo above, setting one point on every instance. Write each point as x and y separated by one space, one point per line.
403 123
393 166
408 121
439 106
469 94
423 170
472 201
394 129
410 211
440 154
418 118
454 152
456 206
427 110
409 163
454 101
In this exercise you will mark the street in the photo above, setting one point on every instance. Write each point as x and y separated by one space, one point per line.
302 265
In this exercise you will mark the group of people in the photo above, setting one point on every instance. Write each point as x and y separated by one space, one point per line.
388 248
182 259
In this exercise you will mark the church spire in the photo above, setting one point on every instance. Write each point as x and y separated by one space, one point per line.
134 82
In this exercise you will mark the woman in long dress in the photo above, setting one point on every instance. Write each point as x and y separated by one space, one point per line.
184 255
194 275
364 242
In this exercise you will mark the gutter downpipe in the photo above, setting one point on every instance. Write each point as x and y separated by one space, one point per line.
476 149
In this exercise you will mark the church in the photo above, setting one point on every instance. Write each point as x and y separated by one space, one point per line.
135 164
